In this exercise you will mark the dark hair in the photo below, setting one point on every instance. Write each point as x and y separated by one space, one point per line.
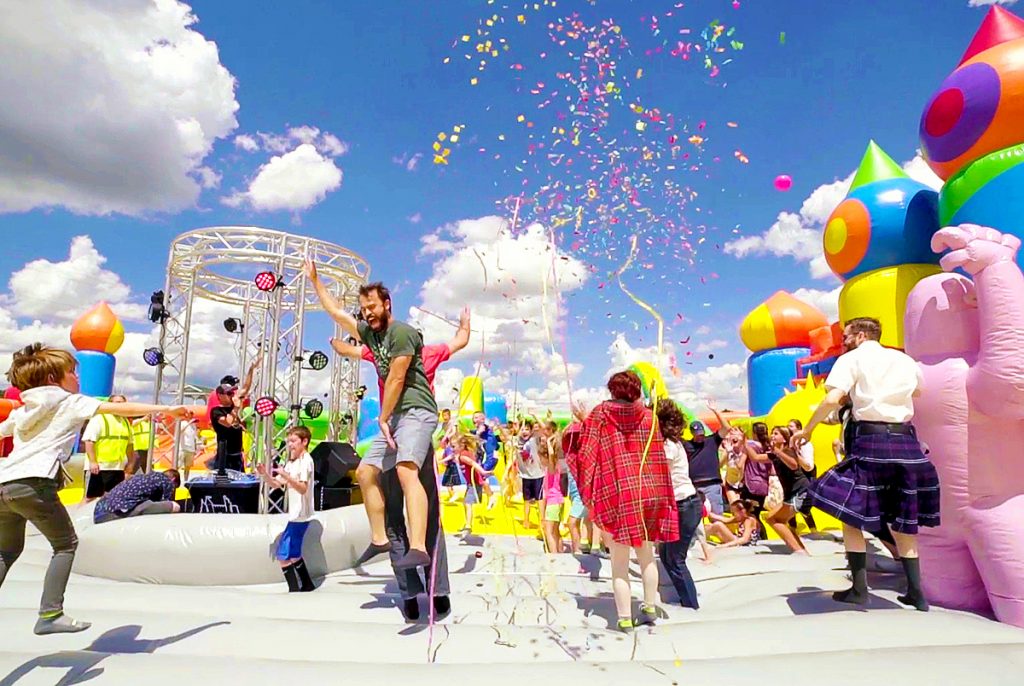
798 423
174 476
625 386
671 420
750 506
869 326
760 431
376 287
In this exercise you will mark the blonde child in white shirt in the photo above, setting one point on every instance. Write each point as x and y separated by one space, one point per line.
45 430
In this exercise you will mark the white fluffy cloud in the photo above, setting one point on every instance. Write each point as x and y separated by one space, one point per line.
294 181
503 278
515 286
300 174
327 144
826 301
798 234
108 106
726 383
982 3
44 298
246 142
57 291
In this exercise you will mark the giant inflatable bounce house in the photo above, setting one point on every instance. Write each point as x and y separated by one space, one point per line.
966 328
953 299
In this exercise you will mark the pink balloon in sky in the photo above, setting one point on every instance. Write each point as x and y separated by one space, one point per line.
783 182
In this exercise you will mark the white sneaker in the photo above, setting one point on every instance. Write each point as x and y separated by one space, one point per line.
492 501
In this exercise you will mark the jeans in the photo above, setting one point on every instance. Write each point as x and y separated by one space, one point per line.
410 584
35 500
713 492
147 507
673 555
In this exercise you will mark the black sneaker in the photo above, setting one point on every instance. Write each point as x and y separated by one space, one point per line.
412 609
442 605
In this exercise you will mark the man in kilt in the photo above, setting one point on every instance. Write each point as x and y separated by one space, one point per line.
885 480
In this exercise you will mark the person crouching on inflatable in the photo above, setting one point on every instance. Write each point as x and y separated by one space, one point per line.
297 477
45 429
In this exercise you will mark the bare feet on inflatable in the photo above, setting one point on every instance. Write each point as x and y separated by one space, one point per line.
372 551
413 558
61 624
442 605
411 609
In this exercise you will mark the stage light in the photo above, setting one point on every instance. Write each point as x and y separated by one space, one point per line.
234 325
314 408
318 360
153 357
267 281
265 406
157 312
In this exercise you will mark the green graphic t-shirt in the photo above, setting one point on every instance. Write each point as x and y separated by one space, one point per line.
398 340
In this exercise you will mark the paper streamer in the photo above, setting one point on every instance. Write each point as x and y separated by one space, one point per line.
661 345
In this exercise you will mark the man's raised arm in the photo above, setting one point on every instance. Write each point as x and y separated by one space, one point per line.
461 338
330 303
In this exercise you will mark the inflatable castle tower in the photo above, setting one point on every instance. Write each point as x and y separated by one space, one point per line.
878 242
97 335
778 333
972 130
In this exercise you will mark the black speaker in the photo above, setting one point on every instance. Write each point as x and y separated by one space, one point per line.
330 498
332 463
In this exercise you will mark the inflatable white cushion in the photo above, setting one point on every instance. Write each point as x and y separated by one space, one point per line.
213 549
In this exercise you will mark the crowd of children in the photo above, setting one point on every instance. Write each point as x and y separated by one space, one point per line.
761 475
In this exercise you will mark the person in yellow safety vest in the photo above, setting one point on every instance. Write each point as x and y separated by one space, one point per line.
142 433
108 445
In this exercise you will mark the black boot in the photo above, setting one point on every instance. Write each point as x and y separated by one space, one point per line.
412 609
442 605
305 583
858 593
292 577
914 596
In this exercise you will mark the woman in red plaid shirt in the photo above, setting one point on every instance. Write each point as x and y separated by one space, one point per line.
624 480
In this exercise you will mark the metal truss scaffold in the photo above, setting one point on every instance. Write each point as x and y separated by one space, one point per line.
216 265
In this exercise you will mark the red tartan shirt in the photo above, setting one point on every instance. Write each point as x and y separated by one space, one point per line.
627 495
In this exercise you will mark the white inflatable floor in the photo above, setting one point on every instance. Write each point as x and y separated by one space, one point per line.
518 616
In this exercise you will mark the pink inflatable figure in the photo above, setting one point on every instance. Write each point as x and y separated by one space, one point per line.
969 340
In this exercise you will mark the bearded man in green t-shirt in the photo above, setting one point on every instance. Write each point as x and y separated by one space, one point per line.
408 418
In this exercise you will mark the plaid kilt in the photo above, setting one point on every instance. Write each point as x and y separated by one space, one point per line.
627 496
885 479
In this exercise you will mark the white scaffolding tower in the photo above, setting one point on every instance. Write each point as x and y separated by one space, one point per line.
219 264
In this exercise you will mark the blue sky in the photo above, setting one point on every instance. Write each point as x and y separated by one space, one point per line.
372 75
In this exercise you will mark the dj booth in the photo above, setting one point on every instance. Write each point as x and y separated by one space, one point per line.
240 493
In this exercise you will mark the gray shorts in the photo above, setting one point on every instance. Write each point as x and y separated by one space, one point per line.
413 431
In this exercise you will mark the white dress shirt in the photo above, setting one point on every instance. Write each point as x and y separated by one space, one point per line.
880 382
679 468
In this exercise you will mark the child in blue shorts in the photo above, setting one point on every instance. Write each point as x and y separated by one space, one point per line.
297 477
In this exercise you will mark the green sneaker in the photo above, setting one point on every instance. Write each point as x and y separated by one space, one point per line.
648 616
625 626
